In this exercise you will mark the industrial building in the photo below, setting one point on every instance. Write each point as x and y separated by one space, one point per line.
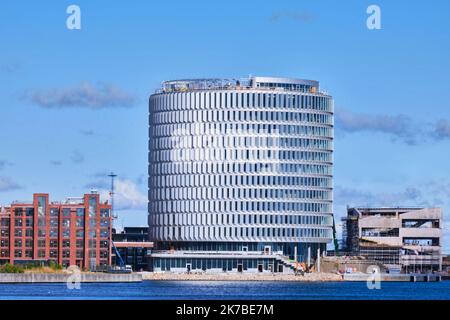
133 247
76 231
403 239
240 174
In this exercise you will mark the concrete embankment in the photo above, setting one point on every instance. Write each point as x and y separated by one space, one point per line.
393 277
167 276
61 277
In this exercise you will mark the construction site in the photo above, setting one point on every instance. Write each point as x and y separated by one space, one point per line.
399 240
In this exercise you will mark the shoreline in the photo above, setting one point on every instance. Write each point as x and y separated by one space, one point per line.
13 278
224 277
308 277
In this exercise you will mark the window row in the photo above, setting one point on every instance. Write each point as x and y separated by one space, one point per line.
182 141
237 129
244 167
19 212
217 99
190 116
192 206
174 233
239 219
237 193
218 180
238 154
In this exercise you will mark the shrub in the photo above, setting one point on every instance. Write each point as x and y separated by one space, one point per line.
9 268
53 265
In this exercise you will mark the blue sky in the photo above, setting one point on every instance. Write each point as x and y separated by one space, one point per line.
73 103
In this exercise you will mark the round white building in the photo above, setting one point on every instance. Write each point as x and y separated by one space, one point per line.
240 173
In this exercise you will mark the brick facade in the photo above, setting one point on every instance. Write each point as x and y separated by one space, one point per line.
74 232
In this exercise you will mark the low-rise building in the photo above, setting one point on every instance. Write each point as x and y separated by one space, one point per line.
76 231
133 246
408 239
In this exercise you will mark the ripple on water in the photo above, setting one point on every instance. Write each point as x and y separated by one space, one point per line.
229 290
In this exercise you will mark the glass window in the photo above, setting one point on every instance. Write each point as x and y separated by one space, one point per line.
92 206
41 206
104 213
18 212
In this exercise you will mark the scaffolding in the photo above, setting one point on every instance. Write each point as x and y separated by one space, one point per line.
350 234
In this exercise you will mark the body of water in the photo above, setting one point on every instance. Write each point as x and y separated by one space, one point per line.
173 290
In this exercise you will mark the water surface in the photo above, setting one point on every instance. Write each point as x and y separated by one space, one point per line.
170 290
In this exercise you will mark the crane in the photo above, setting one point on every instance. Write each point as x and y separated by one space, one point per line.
121 262
111 193
122 266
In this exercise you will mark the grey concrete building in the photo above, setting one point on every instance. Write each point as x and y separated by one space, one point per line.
407 239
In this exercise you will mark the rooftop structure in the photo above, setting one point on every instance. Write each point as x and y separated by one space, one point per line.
260 83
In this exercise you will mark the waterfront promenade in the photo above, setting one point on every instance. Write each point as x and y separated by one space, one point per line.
86 277
308 277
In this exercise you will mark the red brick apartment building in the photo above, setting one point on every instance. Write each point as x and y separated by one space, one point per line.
76 231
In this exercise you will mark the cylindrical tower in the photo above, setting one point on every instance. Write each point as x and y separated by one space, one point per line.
240 165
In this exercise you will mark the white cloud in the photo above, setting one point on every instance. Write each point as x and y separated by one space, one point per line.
77 157
441 130
127 196
7 184
397 126
4 163
10 67
299 16
84 95
411 196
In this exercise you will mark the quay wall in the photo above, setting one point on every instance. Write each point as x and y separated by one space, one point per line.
60 278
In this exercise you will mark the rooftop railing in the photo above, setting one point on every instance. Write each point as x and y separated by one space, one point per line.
217 88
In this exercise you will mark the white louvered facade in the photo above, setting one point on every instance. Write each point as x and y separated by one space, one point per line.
241 162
